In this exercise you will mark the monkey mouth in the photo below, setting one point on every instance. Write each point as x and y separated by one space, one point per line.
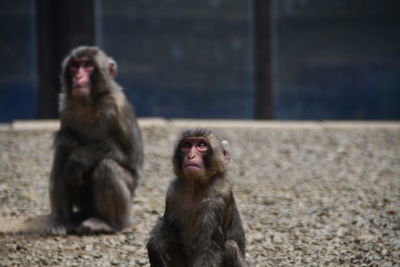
191 166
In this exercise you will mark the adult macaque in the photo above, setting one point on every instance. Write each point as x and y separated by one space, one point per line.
201 225
98 149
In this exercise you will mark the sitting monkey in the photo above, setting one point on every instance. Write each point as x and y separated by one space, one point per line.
201 225
98 149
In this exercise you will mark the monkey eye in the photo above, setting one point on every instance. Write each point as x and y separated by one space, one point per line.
185 146
74 65
202 146
84 63
87 64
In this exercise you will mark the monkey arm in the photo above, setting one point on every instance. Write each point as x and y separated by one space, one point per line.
157 246
209 238
59 205
235 231
89 155
65 142
119 119
83 159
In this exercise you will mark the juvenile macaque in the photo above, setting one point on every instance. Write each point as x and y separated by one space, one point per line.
201 225
98 149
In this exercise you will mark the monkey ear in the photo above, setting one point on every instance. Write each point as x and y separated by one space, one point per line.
227 154
112 68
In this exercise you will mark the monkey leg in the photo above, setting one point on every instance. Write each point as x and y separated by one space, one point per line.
112 187
233 256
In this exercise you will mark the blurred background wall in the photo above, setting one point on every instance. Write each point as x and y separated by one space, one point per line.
272 59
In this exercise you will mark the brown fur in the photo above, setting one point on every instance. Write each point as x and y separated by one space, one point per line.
201 225
98 152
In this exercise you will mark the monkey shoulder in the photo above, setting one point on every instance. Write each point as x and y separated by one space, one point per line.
221 186
111 105
116 108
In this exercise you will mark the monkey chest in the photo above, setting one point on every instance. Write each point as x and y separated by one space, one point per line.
88 128
187 217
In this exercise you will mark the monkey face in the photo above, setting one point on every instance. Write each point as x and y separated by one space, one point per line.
199 156
81 70
193 150
87 72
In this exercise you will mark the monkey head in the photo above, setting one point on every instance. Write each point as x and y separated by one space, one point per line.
200 155
87 70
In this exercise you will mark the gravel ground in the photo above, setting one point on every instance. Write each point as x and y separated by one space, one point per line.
310 194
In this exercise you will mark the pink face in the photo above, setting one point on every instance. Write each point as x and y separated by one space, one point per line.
81 69
194 149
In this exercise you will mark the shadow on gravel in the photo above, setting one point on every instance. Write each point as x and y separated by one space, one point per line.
25 225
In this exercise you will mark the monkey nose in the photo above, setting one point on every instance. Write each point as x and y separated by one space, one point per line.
81 71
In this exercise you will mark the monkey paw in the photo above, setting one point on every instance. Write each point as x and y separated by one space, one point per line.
74 181
94 226
74 174
58 229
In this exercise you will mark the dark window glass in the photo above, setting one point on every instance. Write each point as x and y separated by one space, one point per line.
337 59
17 53
182 58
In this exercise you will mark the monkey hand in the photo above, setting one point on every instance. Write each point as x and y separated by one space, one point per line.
74 173
165 258
57 229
